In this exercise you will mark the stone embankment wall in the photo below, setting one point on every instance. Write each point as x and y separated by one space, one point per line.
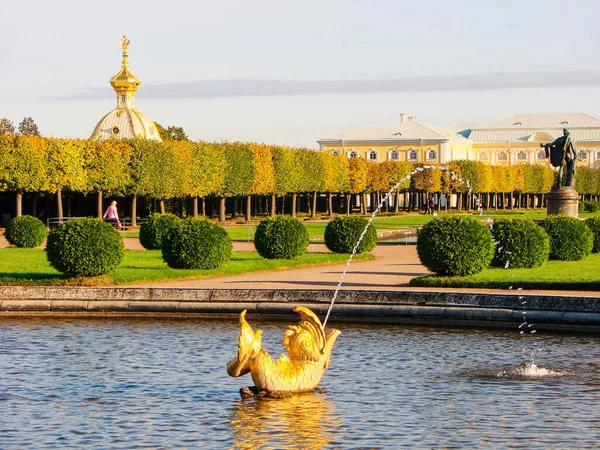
575 314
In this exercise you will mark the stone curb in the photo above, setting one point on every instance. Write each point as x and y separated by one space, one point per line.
575 314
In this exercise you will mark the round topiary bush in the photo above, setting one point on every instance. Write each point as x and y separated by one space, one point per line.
594 225
342 234
592 207
281 237
25 231
154 229
196 244
581 206
87 247
570 238
455 245
519 243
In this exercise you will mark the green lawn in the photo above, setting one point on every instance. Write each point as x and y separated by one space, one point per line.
562 275
20 266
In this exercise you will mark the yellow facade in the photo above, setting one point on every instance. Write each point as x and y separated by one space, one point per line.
416 151
507 141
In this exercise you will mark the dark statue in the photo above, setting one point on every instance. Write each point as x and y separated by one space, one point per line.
562 152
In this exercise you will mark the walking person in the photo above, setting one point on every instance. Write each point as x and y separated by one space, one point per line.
112 215
430 205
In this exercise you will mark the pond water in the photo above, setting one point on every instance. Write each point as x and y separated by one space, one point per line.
162 384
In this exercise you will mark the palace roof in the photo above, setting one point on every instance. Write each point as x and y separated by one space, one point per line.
408 130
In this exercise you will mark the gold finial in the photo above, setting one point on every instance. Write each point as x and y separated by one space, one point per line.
124 44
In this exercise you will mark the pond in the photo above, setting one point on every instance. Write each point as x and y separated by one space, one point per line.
153 383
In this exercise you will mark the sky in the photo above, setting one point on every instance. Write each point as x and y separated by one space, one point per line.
289 73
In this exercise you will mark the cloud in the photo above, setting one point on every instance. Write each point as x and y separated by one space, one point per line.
243 87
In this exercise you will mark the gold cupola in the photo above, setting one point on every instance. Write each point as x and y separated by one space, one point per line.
125 83
125 121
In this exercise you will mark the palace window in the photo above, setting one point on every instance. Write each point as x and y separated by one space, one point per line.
598 154
413 155
394 155
431 154
483 156
322 146
582 155
372 155
335 152
352 154
502 156
541 154
522 156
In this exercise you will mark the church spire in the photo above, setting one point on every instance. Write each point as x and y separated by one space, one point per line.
125 83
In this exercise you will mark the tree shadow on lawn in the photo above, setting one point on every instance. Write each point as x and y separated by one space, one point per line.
8 277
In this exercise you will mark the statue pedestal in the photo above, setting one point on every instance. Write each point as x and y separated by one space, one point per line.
563 200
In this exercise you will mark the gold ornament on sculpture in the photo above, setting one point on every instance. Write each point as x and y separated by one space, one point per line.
309 350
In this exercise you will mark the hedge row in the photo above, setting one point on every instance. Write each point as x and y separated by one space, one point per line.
176 169
455 245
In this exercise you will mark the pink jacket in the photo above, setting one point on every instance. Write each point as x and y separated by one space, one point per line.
111 213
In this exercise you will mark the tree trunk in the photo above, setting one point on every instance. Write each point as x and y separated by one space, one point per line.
313 212
19 204
273 205
329 205
203 206
34 205
397 202
348 203
195 206
282 205
69 212
99 207
222 209
134 210
235 208
161 205
294 201
248 208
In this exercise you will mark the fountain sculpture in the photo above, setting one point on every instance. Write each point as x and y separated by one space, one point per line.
309 350
308 345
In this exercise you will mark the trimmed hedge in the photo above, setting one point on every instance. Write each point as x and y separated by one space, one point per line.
25 231
594 225
86 247
196 243
342 234
584 205
281 237
519 243
455 245
154 229
570 238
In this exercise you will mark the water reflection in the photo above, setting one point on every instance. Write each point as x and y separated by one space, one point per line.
300 421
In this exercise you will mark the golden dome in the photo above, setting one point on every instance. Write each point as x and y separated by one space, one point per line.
125 80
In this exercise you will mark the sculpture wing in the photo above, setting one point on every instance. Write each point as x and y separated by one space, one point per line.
307 340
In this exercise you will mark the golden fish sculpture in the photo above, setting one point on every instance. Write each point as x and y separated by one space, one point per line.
309 349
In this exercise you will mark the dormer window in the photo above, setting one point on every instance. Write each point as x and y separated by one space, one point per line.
564 122
518 123
397 133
